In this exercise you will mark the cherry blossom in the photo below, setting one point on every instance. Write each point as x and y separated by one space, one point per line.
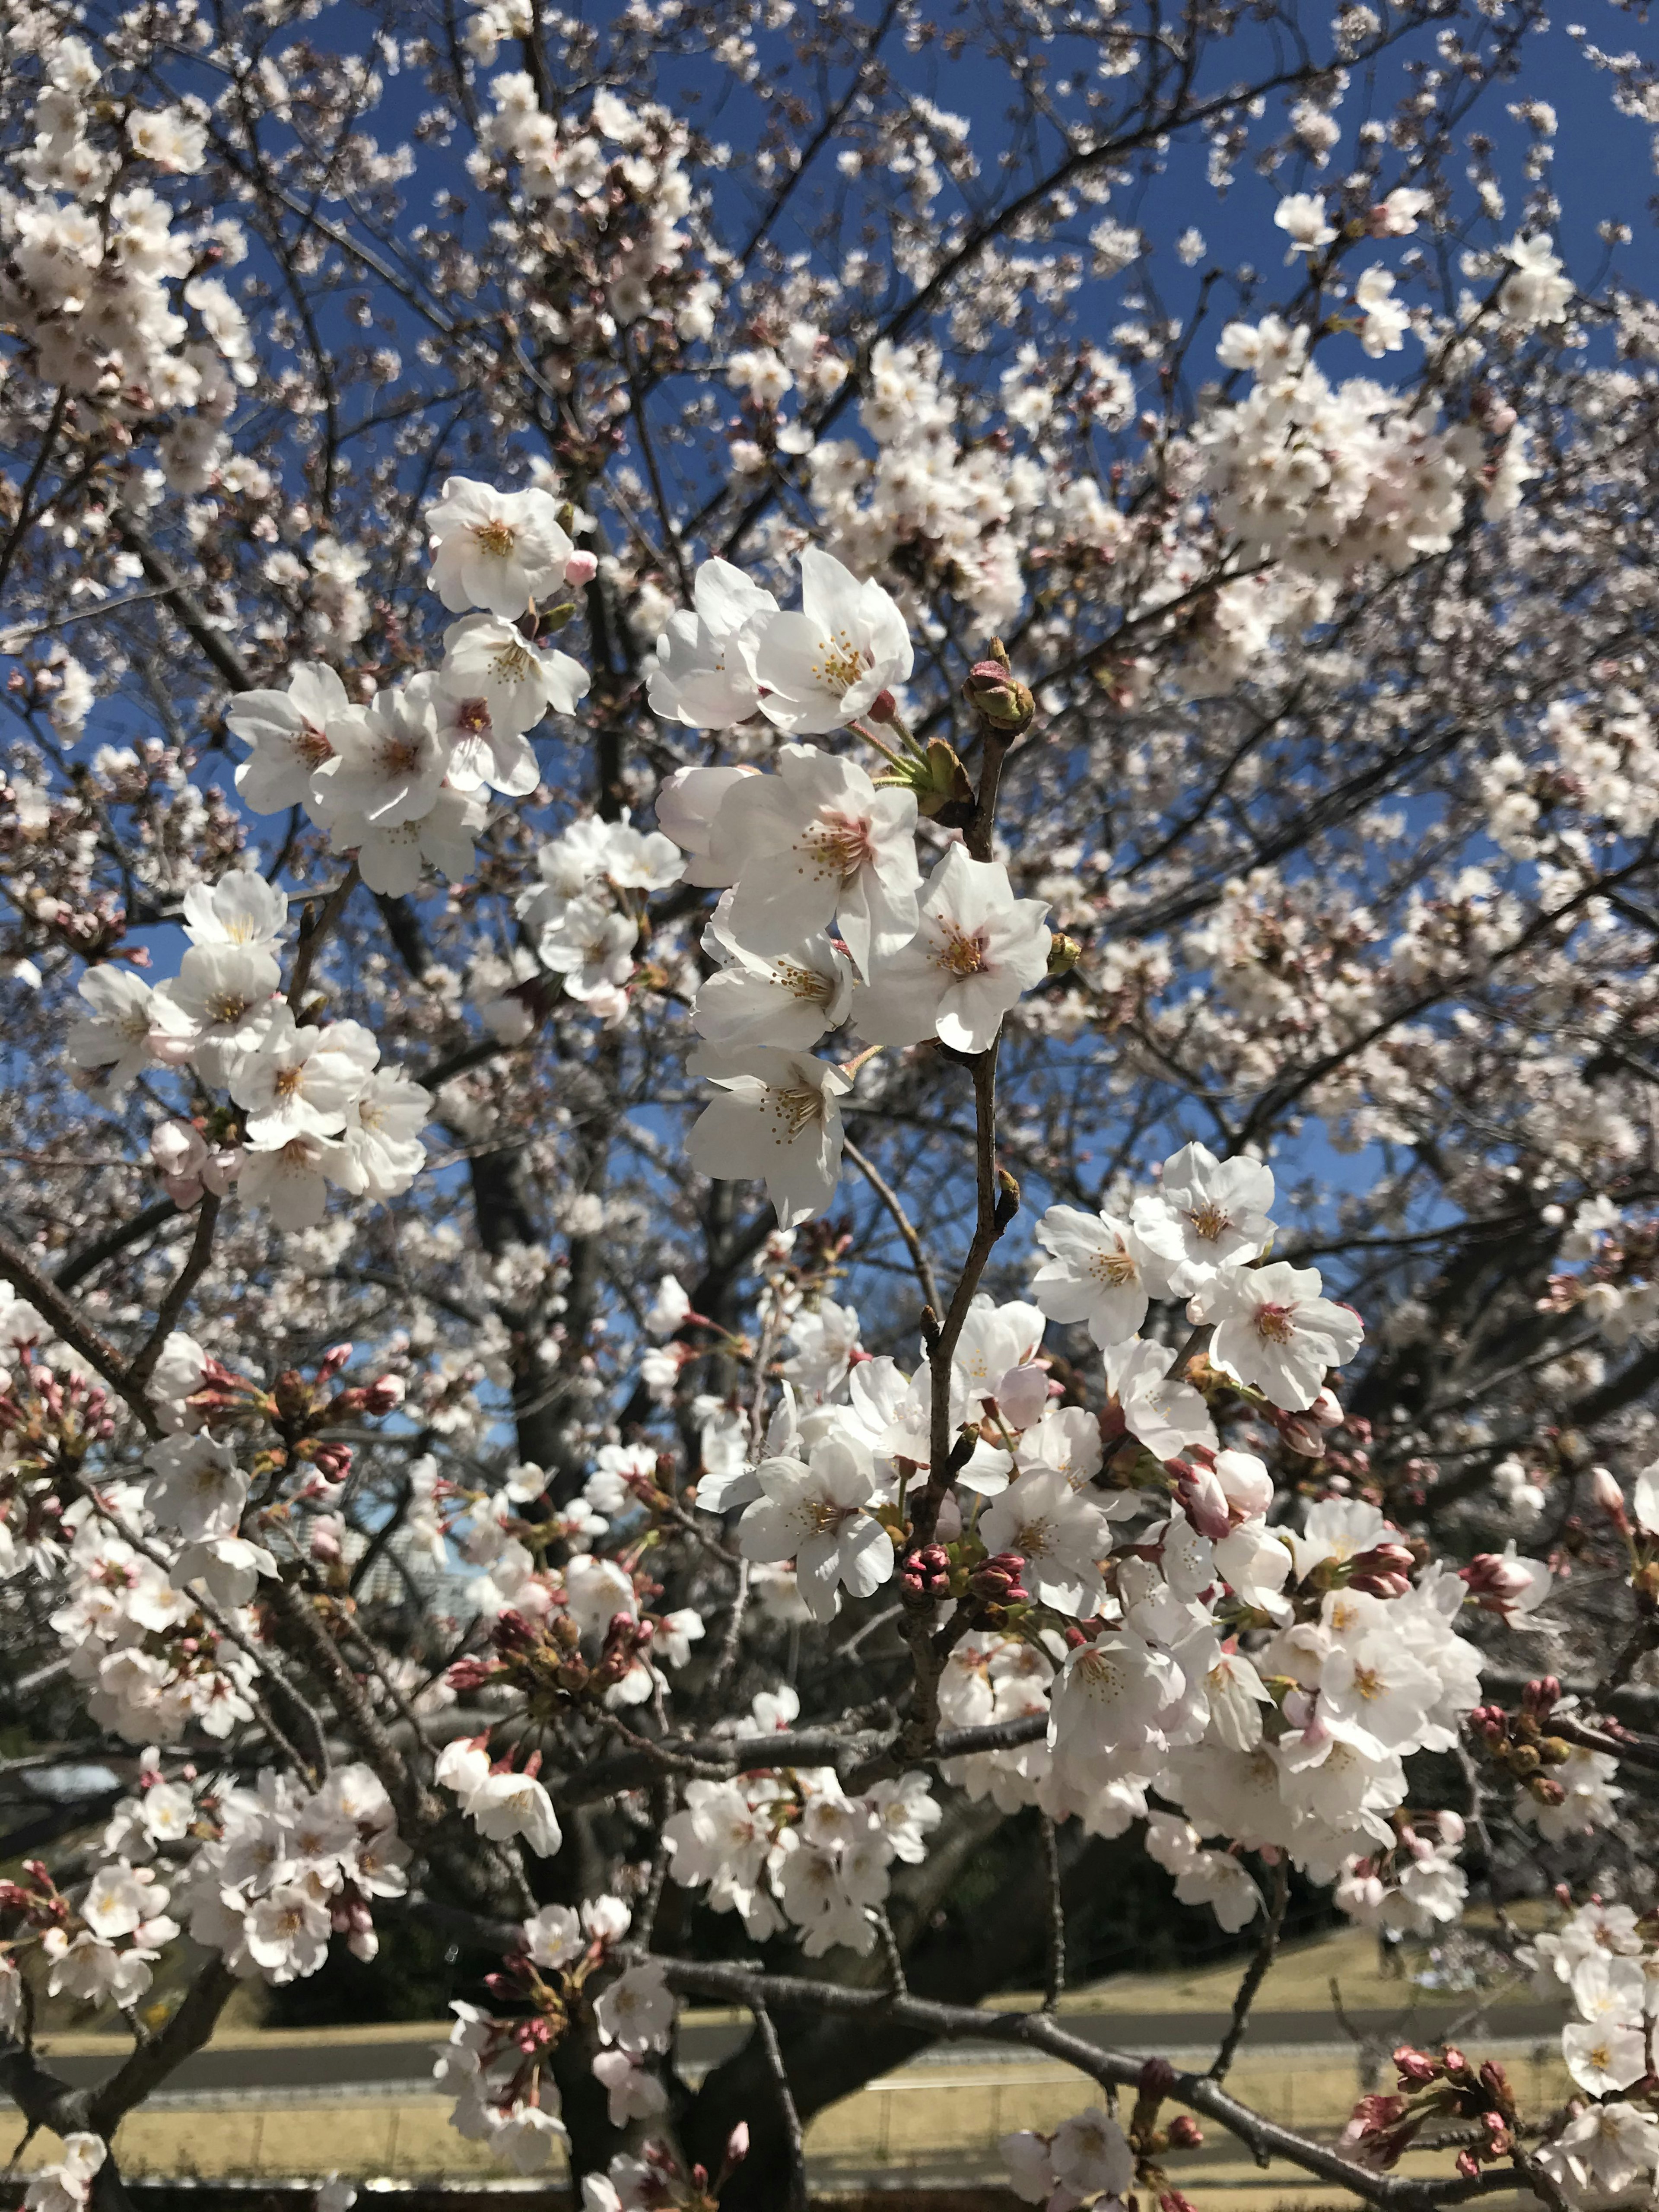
976 949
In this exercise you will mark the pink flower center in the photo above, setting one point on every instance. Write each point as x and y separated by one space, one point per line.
1275 1324
841 844
959 952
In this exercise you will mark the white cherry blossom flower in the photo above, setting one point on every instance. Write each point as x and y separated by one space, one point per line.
686 807
1091 2154
198 1488
632 2090
788 999
1385 321
1272 1328
1103 1270
1062 1536
975 950
293 1178
814 841
812 1511
287 736
507 1805
775 1116
822 668
591 945
299 1082
497 549
388 762
519 679
1603 2057
1301 217
1538 290
1169 1418
1216 1209
1605 2150
215 1008
382 1132
391 855
704 674
112 1041
637 2013
240 909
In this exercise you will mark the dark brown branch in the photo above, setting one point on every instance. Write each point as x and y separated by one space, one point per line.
797 2199
195 1267
80 1264
1265 2138
44 1295
158 2055
313 930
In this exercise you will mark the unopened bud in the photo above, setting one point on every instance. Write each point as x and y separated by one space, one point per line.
993 694
1609 1497
1302 1434
1064 953
736 2144
580 568
1326 1410
1157 2078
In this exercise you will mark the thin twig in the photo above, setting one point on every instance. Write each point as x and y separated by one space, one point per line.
313 930
890 1197
1054 1980
31 483
890 1951
1257 1973
195 1267
797 2199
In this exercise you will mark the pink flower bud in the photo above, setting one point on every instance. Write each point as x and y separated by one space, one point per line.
1204 1503
1245 1482
580 568
1415 2066
736 2144
1326 1410
1609 1497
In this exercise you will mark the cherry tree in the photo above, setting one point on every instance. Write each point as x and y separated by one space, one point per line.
830 989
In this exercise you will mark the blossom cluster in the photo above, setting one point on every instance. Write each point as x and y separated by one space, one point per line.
110 296
308 1106
792 1849
395 777
498 2066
